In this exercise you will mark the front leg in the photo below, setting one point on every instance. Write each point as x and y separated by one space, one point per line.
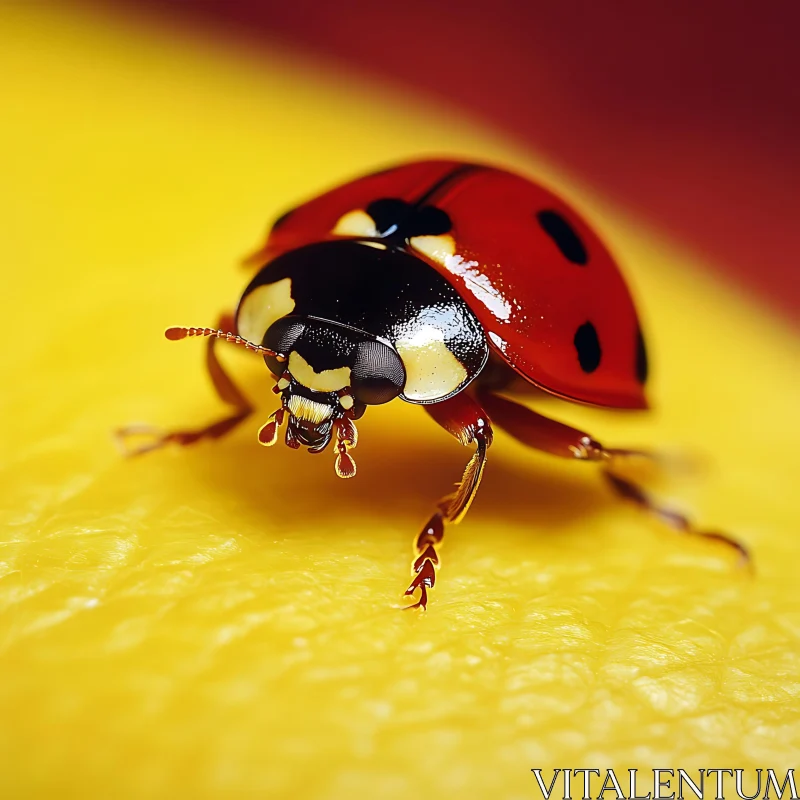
463 418
154 437
559 439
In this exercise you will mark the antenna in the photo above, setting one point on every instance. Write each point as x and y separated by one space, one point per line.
176 333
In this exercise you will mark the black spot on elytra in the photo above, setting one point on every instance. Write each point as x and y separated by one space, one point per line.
282 218
641 357
395 217
564 236
588 347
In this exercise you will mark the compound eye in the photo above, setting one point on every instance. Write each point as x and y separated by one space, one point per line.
283 334
377 375
281 337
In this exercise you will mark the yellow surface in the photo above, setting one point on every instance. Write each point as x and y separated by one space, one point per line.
218 621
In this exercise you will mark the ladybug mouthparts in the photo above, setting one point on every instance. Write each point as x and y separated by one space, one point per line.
312 420
327 374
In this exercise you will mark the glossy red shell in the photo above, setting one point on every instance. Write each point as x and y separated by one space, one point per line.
531 298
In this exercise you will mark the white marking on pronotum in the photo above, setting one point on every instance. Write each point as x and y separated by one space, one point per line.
432 371
479 284
263 306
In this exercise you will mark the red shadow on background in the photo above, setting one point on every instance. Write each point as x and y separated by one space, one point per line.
687 112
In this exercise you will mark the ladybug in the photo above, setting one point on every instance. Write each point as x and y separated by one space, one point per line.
448 285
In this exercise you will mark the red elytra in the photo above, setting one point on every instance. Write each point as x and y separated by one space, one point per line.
531 269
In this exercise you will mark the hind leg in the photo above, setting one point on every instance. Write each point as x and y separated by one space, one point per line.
152 438
562 440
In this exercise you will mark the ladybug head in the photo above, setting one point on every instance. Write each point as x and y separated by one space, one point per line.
328 374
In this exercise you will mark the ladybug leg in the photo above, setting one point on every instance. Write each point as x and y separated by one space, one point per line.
463 418
559 439
154 437
635 494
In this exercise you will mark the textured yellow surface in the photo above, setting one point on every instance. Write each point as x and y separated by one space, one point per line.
218 621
